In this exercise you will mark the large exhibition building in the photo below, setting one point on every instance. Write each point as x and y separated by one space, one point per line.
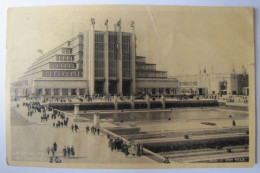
94 62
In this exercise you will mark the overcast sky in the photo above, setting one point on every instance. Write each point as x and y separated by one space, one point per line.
180 40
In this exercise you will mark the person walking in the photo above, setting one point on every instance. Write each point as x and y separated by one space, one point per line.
72 127
48 150
64 151
52 151
72 151
76 128
87 129
98 130
234 123
68 151
55 146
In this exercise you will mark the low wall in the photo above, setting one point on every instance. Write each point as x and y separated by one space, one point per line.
137 105
125 131
196 144
191 103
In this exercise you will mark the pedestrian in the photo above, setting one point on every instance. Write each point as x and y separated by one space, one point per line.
68 151
234 123
52 151
48 150
87 129
72 151
166 160
98 131
72 127
64 151
76 128
55 146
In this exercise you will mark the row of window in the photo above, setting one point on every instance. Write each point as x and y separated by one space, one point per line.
146 67
66 50
126 73
191 83
64 58
151 74
156 90
99 37
99 72
140 59
126 39
62 66
63 91
99 47
62 73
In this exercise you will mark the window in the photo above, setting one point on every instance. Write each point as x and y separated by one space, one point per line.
65 91
81 91
47 91
73 92
56 91
153 90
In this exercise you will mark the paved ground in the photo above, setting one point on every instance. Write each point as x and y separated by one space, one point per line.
31 137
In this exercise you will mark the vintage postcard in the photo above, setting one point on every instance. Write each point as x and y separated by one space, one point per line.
130 87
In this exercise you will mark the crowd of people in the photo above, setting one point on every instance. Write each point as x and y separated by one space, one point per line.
35 108
74 127
67 152
119 145
93 130
59 119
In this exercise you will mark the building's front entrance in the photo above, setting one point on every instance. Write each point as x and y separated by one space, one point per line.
112 87
99 87
202 91
126 87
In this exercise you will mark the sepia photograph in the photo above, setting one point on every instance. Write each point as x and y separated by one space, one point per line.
130 87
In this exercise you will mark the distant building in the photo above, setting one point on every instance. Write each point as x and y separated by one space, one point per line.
205 83
94 62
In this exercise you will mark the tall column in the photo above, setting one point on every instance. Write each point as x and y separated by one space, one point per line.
92 58
133 58
69 91
119 60
106 60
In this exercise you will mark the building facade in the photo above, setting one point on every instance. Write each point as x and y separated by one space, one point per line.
94 62
214 84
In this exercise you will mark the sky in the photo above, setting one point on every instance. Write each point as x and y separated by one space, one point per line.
180 40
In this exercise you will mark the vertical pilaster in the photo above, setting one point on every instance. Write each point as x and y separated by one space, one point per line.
77 92
43 91
52 91
133 58
106 60
92 58
119 60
